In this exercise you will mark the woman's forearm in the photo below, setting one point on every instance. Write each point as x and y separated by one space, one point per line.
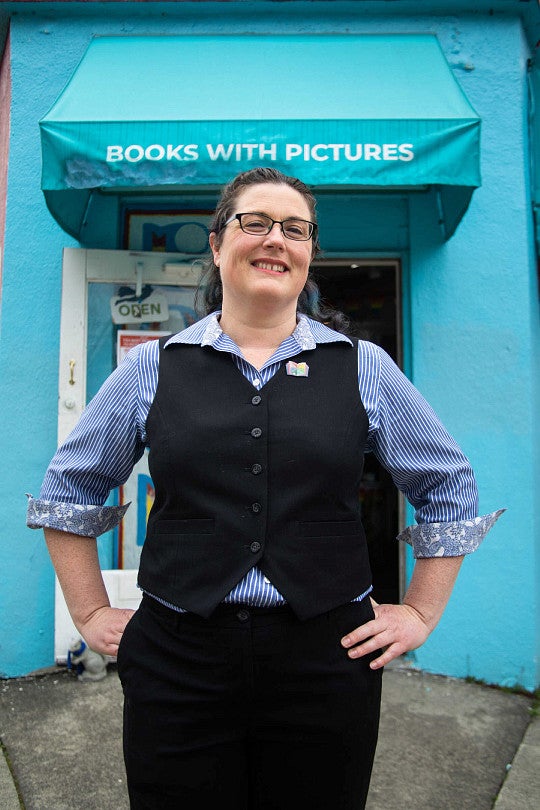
430 587
75 560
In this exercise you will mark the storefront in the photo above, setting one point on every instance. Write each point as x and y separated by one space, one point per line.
420 164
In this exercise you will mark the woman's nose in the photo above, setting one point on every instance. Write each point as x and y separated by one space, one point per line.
275 234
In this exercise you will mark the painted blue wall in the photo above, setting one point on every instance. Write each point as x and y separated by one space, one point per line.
473 312
475 309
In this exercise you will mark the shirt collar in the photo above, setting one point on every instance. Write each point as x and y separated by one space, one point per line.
307 334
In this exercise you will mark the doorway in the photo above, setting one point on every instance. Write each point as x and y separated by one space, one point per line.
369 293
90 347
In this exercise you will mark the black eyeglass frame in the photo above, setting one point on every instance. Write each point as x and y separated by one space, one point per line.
280 222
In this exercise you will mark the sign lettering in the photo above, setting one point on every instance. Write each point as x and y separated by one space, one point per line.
152 309
257 152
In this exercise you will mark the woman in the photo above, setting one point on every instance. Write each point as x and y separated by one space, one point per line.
252 670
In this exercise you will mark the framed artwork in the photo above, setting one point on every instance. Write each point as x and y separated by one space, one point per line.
168 231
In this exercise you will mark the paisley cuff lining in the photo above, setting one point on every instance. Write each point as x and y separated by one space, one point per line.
449 539
86 520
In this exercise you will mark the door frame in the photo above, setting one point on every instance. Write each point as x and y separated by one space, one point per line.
81 267
399 263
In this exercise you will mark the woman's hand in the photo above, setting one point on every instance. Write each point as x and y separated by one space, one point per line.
76 563
103 630
396 629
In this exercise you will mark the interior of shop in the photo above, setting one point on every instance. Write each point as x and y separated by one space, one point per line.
368 292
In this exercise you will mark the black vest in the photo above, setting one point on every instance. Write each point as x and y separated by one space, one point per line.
244 478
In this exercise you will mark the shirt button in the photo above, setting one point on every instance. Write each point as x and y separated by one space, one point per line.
255 400
255 546
256 433
256 507
256 469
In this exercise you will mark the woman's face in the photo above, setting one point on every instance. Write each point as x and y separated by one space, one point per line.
268 270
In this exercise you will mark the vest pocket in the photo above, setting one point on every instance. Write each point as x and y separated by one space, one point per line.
329 528
188 526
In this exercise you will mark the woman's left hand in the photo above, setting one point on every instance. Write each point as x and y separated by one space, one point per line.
396 629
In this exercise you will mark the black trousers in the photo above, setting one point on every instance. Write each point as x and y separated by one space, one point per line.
251 709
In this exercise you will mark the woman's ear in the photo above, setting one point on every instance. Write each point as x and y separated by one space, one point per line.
213 247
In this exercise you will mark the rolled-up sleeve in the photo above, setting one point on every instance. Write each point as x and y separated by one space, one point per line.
425 462
97 456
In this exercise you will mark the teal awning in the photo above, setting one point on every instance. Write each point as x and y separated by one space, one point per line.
150 113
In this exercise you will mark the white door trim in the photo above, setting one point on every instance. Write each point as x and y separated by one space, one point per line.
80 267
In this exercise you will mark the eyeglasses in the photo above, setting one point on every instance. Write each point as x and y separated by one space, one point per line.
259 225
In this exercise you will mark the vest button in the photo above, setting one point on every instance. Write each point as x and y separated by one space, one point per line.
256 433
256 469
242 615
255 546
255 400
256 507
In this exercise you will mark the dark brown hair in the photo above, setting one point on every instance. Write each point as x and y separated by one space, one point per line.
211 291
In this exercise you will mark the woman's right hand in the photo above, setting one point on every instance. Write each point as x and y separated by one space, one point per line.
103 629
76 562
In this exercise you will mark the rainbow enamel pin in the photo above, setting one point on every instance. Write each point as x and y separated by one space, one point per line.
297 369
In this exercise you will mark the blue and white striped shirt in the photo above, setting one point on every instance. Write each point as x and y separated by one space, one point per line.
404 434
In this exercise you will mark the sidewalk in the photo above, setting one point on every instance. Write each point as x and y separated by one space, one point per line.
444 744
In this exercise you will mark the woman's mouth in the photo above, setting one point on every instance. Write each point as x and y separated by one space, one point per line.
272 266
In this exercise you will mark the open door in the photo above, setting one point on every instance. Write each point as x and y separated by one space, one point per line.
368 291
91 344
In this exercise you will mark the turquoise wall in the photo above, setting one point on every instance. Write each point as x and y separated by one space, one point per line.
472 306
475 310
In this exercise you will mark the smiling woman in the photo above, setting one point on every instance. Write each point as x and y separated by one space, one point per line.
309 300
262 274
252 670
